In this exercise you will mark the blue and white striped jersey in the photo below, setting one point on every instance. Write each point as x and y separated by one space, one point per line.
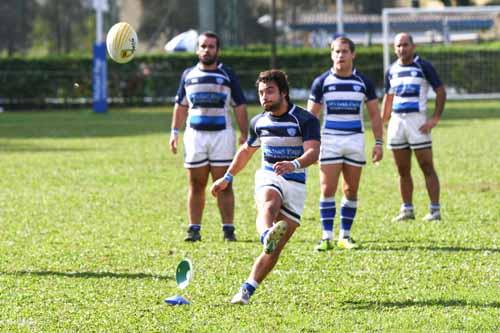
282 137
209 95
410 84
343 99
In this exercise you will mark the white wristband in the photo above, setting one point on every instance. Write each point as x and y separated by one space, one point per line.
296 164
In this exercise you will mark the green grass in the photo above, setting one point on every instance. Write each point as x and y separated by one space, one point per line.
92 216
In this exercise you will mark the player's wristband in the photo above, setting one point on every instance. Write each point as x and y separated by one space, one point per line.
174 132
296 164
379 142
228 177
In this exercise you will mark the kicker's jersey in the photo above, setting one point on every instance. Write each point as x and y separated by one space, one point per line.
410 84
209 94
342 98
281 138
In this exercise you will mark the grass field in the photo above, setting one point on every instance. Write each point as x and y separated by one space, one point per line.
92 216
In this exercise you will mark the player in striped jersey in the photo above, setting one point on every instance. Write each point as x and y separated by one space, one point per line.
341 92
407 83
290 139
206 93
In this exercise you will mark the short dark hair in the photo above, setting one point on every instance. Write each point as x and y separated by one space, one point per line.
211 34
278 77
345 40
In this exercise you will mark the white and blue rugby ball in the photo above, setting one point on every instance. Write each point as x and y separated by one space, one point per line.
121 42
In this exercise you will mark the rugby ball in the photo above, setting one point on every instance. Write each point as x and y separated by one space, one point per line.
121 42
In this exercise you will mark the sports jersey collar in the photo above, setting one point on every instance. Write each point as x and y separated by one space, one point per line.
343 77
291 106
198 66
414 60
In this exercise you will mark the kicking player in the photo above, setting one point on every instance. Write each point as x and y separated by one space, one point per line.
340 92
290 140
205 94
407 83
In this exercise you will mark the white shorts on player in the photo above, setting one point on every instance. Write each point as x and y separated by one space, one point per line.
293 194
215 148
348 149
403 131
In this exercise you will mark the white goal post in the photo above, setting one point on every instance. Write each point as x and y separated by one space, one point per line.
444 27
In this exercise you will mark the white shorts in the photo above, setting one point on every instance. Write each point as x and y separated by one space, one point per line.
293 194
215 148
348 149
403 131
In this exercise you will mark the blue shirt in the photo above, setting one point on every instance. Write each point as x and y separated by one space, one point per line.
282 137
209 95
410 84
343 99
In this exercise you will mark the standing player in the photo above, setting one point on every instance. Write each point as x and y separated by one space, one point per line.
205 94
341 92
406 85
289 137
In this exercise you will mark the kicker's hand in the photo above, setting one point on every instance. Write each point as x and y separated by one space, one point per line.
280 168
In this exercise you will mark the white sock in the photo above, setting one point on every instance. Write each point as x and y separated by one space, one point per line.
344 234
327 234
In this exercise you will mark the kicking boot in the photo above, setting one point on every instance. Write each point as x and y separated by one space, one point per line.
274 235
242 297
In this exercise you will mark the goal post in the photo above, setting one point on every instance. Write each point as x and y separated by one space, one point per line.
470 74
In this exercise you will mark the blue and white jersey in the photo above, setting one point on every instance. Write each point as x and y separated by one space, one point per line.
410 84
209 95
343 99
282 137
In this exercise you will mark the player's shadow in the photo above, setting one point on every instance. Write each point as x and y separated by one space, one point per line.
90 275
425 303
26 148
382 247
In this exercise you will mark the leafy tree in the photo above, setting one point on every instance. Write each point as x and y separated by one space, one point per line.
17 17
68 23
167 17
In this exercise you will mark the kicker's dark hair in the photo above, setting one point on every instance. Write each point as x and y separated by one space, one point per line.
277 76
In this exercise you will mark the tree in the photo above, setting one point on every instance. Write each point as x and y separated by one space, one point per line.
68 23
167 17
17 17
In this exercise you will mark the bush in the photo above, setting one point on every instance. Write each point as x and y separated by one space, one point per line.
38 82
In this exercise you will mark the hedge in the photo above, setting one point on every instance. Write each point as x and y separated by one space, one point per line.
39 82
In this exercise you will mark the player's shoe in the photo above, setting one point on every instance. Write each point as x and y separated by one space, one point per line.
274 235
193 236
433 216
324 245
242 297
229 236
404 215
347 243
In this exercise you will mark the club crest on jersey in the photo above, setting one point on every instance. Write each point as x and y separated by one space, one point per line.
219 80
291 131
332 88
264 132
413 73
356 87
